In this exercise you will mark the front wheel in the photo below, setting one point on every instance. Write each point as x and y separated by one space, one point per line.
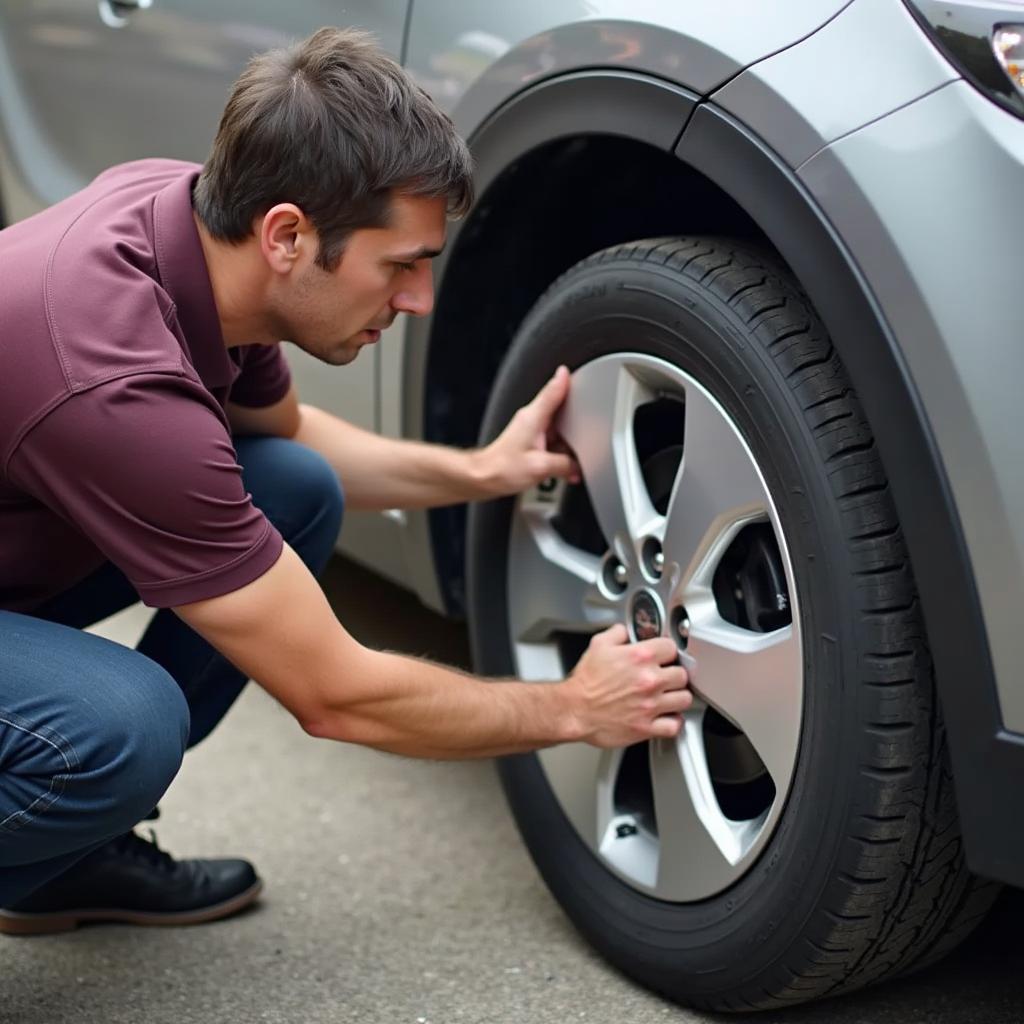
800 837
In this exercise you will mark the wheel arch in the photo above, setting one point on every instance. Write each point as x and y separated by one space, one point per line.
564 147
544 160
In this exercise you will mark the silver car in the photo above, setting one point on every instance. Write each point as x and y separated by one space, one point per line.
778 245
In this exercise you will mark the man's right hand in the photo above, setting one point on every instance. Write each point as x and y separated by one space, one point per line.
625 692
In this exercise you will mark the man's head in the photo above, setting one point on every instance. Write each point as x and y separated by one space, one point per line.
343 171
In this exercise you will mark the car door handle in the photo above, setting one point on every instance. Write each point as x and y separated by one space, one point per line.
116 13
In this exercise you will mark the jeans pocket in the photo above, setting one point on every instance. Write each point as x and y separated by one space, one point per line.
35 764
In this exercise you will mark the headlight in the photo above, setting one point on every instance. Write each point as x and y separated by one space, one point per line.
984 40
1008 45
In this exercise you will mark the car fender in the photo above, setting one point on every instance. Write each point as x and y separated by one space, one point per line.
474 58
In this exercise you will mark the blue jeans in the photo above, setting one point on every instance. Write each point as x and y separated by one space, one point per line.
92 733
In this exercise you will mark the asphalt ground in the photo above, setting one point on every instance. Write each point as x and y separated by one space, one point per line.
397 891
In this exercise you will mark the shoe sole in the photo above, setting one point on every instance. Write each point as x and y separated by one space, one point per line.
12 923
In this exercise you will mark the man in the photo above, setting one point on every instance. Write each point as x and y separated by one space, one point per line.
152 444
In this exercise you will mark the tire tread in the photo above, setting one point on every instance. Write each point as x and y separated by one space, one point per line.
932 902
900 896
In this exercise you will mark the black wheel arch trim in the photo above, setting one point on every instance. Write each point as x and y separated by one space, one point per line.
987 760
599 101
596 101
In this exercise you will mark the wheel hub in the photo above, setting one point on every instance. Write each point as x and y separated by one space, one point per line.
645 616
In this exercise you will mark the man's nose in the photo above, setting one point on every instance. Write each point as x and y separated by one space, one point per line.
416 296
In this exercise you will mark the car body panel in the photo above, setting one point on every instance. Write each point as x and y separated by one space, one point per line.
473 57
66 119
867 61
956 315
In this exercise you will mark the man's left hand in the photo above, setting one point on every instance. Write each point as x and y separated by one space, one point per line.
526 452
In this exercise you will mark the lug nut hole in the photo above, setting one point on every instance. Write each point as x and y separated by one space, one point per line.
615 575
680 627
652 558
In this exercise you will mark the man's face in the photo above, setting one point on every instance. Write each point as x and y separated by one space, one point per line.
383 272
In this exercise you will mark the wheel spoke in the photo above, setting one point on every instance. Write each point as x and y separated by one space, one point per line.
552 585
699 847
597 422
582 777
756 681
717 486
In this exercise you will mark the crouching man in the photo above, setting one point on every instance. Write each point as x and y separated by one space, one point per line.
152 445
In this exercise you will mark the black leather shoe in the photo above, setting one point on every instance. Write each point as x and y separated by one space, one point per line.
131 879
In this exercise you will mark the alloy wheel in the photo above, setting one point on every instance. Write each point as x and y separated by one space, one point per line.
673 532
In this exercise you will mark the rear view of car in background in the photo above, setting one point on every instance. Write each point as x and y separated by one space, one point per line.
776 249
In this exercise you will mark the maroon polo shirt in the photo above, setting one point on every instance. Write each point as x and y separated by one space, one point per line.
114 444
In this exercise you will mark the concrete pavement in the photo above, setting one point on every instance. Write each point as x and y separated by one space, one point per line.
397 892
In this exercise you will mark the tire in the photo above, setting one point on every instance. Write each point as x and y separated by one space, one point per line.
857 873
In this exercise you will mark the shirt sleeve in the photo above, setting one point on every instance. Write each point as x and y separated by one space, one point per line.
144 467
265 376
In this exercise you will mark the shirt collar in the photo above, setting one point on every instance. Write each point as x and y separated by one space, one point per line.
184 275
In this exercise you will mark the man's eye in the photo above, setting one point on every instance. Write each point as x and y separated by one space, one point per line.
406 266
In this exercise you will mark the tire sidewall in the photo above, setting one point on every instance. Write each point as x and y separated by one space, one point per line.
616 306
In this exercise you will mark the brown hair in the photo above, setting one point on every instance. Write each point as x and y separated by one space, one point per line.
335 126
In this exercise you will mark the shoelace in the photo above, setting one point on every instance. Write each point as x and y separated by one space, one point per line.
145 850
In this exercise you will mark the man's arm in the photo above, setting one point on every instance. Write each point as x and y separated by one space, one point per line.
382 472
281 631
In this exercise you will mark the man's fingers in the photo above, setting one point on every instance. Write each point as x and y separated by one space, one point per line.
613 636
674 677
557 445
547 401
674 702
562 466
666 727
662 649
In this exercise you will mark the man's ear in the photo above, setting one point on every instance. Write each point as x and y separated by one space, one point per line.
286 237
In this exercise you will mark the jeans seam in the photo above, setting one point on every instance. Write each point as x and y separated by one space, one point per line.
19 819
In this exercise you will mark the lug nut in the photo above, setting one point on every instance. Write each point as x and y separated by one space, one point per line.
681 627
614 575
652 559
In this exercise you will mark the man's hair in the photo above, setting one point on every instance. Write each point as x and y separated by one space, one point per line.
335 126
